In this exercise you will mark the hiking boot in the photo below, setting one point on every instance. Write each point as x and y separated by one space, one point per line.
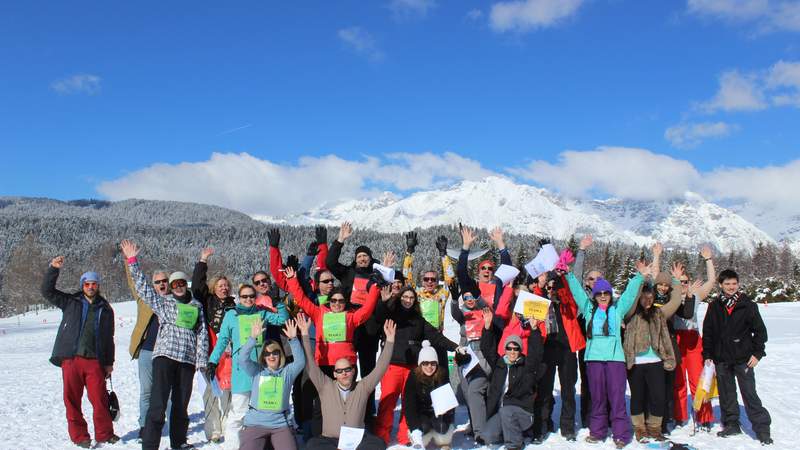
730 430
112 440
641 435
84 444
570 436
479 441
654 433
620 443
765 439
592 440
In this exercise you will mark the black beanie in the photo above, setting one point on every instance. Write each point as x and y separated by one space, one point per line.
363 249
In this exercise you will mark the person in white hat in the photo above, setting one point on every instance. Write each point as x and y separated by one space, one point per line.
423 424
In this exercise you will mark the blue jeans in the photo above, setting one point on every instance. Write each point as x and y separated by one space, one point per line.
145 386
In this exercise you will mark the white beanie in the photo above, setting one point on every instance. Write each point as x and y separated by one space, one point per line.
427 353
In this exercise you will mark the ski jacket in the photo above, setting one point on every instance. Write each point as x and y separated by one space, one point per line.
648 337
522 376
417 403
143 317
354 280
736 336
412 329
213 307
75 309
492 292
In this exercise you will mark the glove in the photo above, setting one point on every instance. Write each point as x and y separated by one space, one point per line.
313 249
462 358
441 245
321 234
293 262
377 278
211 371
411 241
274 236
274 293
416 439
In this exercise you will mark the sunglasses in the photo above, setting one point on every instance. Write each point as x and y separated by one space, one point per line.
513 348
326 281
261 281
429 279
162 281
337 300
178 283
604 293
429 363
90 283
343 370
591 279
247 296
684 281
487 267
276 353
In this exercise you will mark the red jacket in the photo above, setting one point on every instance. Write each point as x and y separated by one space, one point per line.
276 264
569 317
328 352
515 327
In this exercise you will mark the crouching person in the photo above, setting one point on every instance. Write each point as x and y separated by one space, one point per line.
344 401
268 416
423 424
509 402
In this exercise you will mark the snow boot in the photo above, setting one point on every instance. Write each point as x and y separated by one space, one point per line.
654 428
765 439
639 429
619 443
731 429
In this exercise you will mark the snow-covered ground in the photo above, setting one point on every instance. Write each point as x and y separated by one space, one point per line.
32 410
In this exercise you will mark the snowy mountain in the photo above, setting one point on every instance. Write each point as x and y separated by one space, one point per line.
526 209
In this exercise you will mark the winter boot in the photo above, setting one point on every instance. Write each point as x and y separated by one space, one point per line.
653 426
592 440
639 429
764 438
84 444
619 443
730 429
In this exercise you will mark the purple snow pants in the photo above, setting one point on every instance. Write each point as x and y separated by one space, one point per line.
607 380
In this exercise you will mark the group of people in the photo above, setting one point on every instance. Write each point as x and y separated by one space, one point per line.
301 349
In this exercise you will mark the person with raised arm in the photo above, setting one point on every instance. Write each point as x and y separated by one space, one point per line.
344 401
588 283
734 340
271 380
488 287
605 359
181 349
84 349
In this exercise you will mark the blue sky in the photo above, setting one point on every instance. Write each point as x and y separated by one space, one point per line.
98 97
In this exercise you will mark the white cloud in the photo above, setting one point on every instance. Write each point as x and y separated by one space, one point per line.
784 79
690 135
246 183
526 15
766 15
361 42
407 8
774 187
82 83
737 92
617 171
474 14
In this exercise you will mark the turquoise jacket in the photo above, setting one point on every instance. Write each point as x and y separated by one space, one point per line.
229 334
278 417
599 347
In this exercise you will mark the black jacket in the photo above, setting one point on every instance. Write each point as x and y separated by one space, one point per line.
74 309
735 337
345 274
522 376
417 404
412 329
213 309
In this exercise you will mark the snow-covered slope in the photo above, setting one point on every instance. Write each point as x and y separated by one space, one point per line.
526 209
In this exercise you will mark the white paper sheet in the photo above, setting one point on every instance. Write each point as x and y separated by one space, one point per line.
473 361
201 382
544 261
519 306
443 399
506 273
349 438
386 272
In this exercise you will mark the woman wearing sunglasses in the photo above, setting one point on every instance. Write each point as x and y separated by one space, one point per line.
605 358
512 386
424 425
233 335
271 382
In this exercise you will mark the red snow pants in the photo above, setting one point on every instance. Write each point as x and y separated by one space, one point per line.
690 345
79 373
392 385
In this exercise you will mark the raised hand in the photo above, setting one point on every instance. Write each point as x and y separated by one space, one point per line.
57 262
289 272
321 234
290 329
205 253
441 245
313 249
257 330
129 249
586 242
304 323
386 293
293 262
345 231
487 318
677 270
657 249
694 288
706 253
496 235
411 241
467 237
389 258
642 267
274 236
389 329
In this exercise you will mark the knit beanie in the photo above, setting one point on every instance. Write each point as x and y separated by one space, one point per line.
664 278
427 353
513 338
90 276
601 285
363 249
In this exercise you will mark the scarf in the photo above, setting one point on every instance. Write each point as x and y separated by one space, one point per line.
731 301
